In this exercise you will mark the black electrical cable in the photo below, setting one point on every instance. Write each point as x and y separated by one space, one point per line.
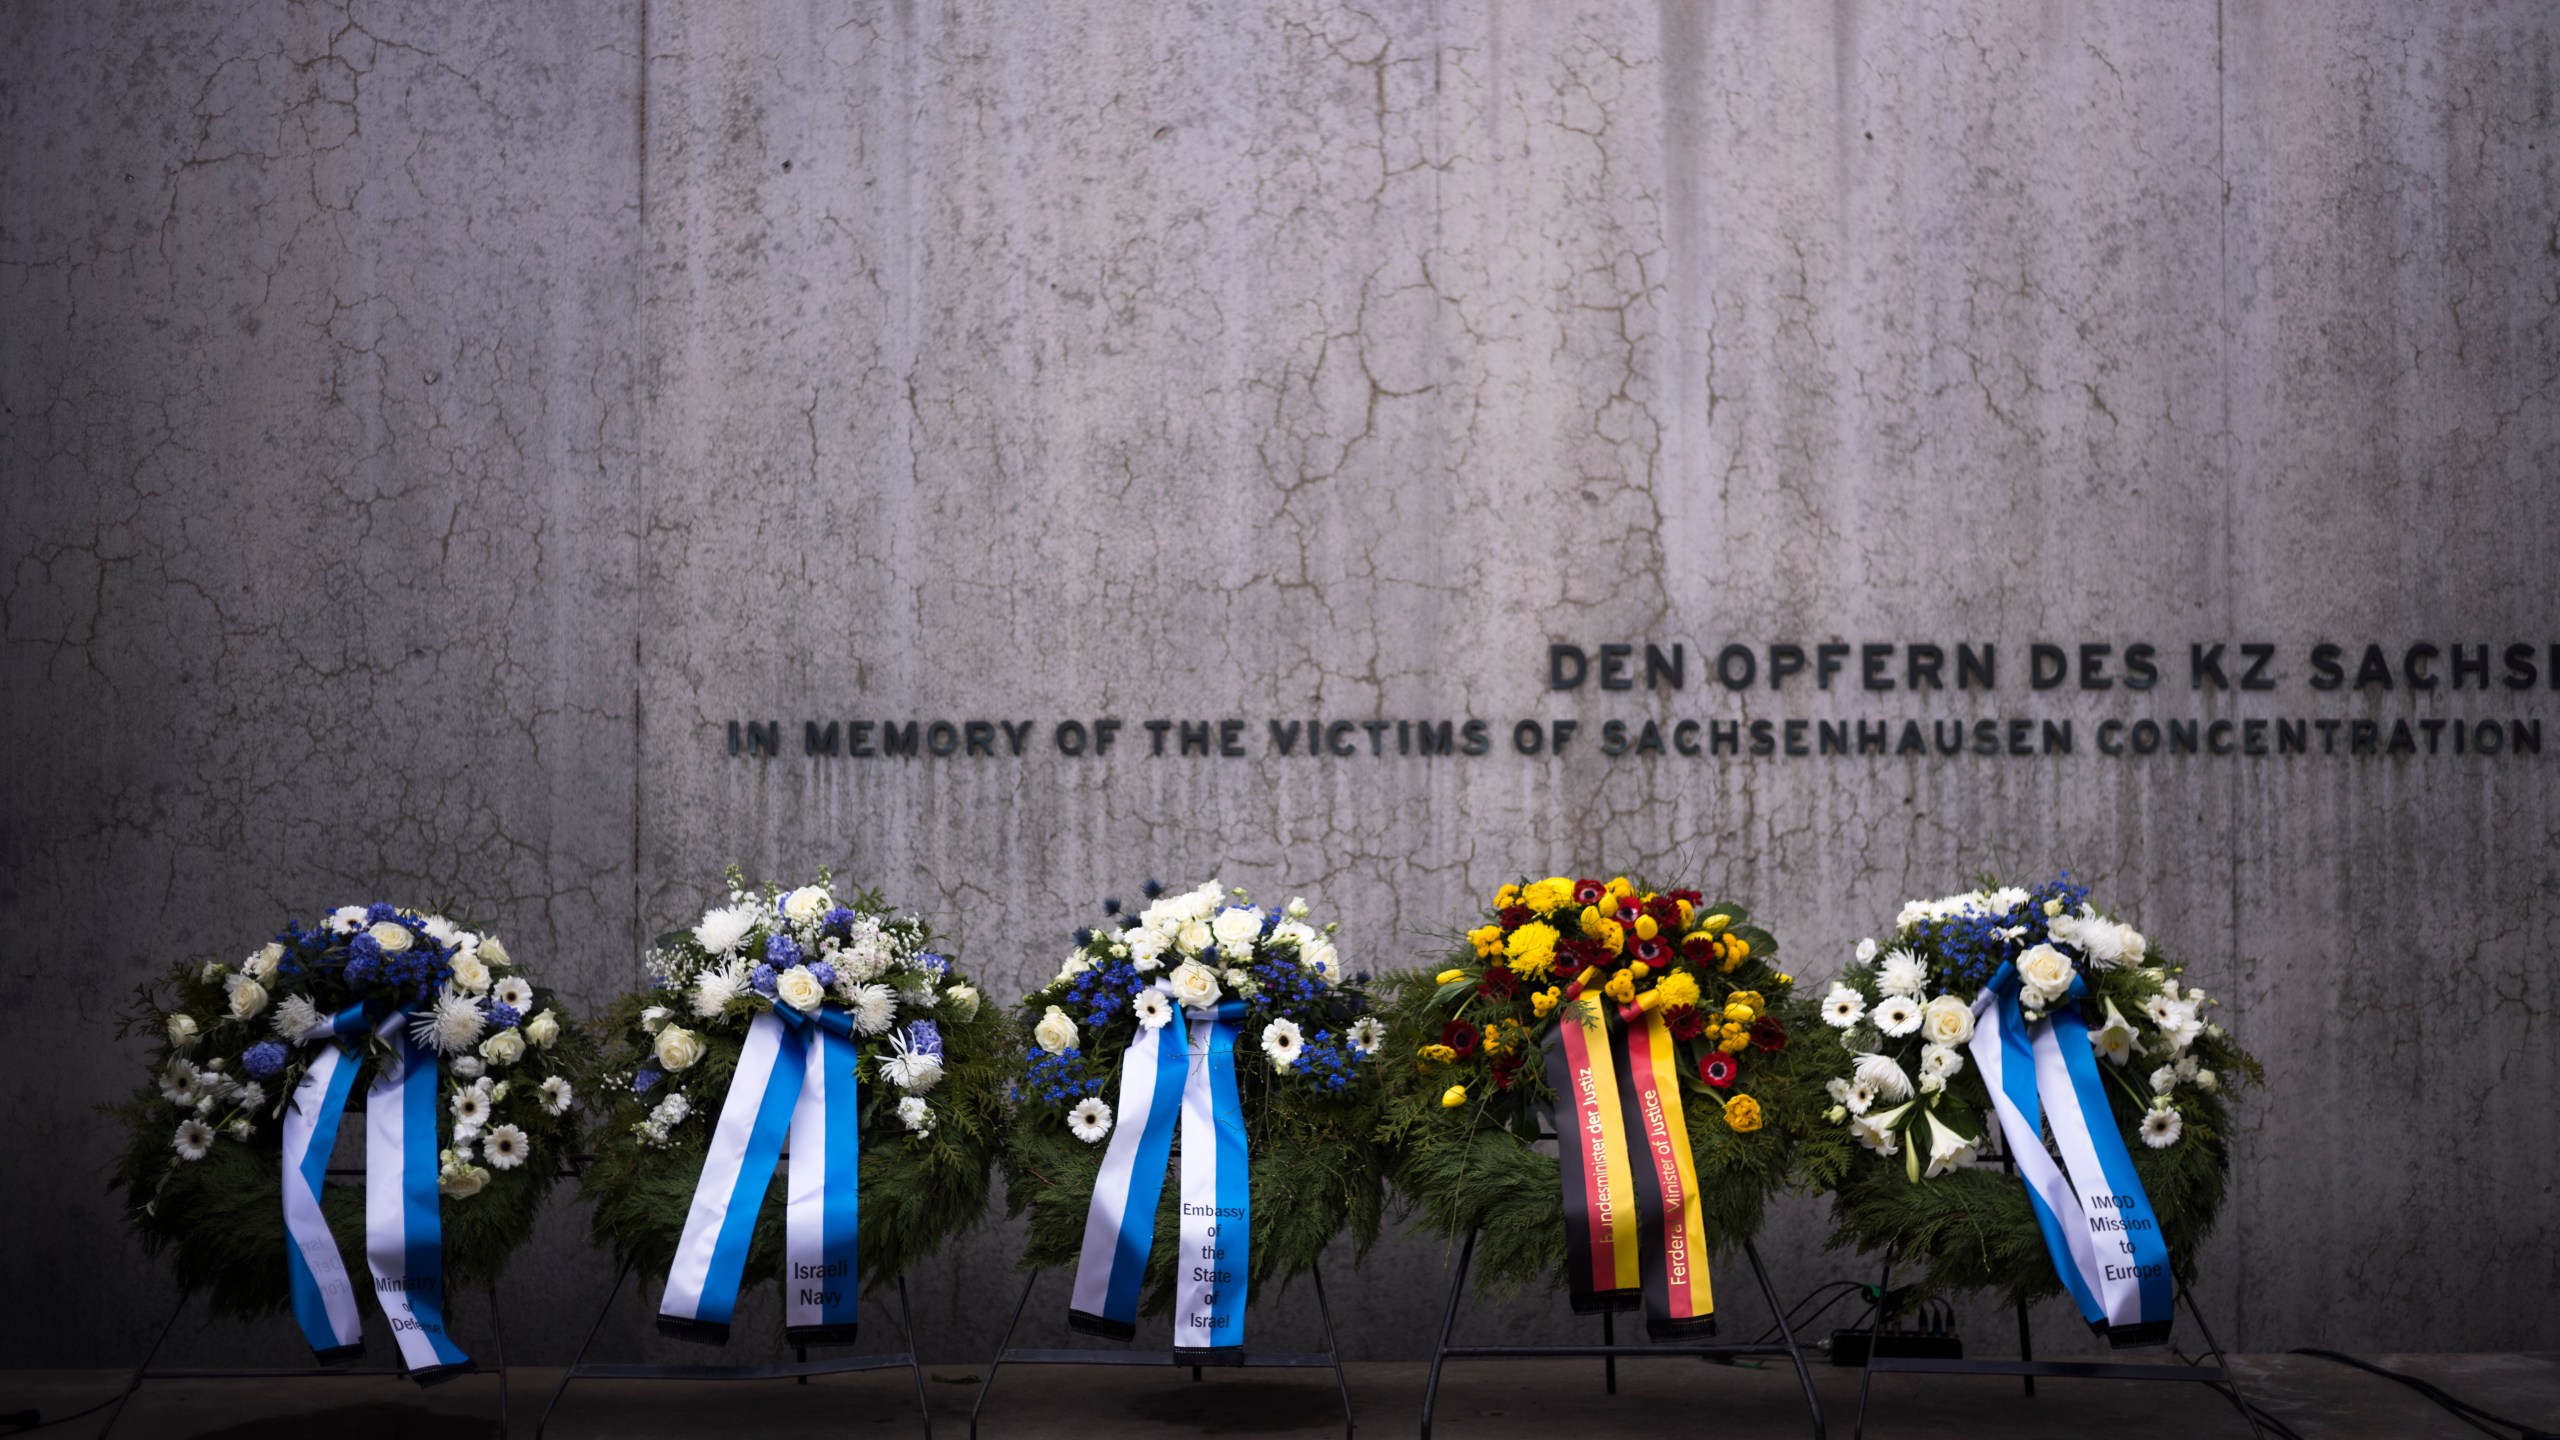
2461 1409
26 1422
2251 1413
1837 1289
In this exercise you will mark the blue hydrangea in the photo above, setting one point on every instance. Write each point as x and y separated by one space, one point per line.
264 1059
824 972
938 966
839 919
646 1078
782 952
924 1038
760 980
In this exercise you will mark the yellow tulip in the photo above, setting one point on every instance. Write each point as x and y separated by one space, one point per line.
1456 1095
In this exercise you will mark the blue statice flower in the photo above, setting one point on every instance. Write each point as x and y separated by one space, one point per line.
782 952
264 1059
760 980
823 972
646 1078
503 1016
364 960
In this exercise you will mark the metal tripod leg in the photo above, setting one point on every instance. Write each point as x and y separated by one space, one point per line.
498 1342
988 1385
915 1366
143 1368
1324 1312
1448 1320
1875 1342
578 1359
1787 1333
2230 1386
1609 1363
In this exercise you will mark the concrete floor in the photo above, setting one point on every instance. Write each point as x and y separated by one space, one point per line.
1480 1401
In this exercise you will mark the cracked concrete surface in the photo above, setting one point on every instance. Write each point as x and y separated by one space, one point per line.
425 431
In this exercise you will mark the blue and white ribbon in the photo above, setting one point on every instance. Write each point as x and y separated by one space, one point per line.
1160 1080
2098 1224
403 1215
795 1084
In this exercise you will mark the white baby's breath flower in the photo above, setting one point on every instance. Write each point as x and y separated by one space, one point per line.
1055 1033
1153 1010
1282 1041
451 1025
670 1111
1897 1015
2161 1127
507 1147
1902 974
1367 1034
1843 1007
193 1140
916 1115
557 1097
1090 1121
721 929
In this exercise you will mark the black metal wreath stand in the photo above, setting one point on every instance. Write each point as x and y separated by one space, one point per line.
1329 1357
1610 1352
800 1370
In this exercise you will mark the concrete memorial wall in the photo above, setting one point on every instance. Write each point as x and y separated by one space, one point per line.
478 454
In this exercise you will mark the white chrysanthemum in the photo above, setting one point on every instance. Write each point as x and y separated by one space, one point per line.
1843 1007
1282 1041
1902 974
1090 1120
910 1069
452 1025
2004 899
1236 928
507 1147
469 1067
182 1084
1941 1062
722 929
1947 1149
916 1115
514 992
873 1007
1152 1008
470 1106
295 1020
444 932
1886 1075
714 989
557 1097
1897 1015
2161 1127
193 1140
1368 1033
1194 985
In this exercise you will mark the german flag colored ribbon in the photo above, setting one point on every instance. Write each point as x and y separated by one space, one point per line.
1633 1233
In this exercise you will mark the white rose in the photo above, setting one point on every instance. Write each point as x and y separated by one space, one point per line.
2046 973
248 997
655 1017
1194 936
1946 1021
1236 929
678 1048
1074 965
1318 955
804 905
1297 907
504 1048
392 936
963 1000
1146 949
1195 986
469 975
542 1029
262 966
1055 1032
492 952
799 989
182 1032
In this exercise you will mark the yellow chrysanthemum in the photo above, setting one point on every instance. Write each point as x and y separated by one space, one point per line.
1687 912
1456 1095
1549 895
1678 988
1487 939
1441 1053
1545 1001
1750 998
1742 1113
1738 1013
1619 889
1621 988
1506 897
1733 1044
1532 949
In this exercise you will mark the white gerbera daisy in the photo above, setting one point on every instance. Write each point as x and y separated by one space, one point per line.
452 1025
1282 1041
1861 1098
1843 1007
470 1106
1090 1120
2161 1127
721 929
296 1018
507 1147
1902 974
515 992
873 1007
1897 1015
916 1115
1152 1008
1368 1033
910 1069
557 1096
193 1140
346 919
182 1084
